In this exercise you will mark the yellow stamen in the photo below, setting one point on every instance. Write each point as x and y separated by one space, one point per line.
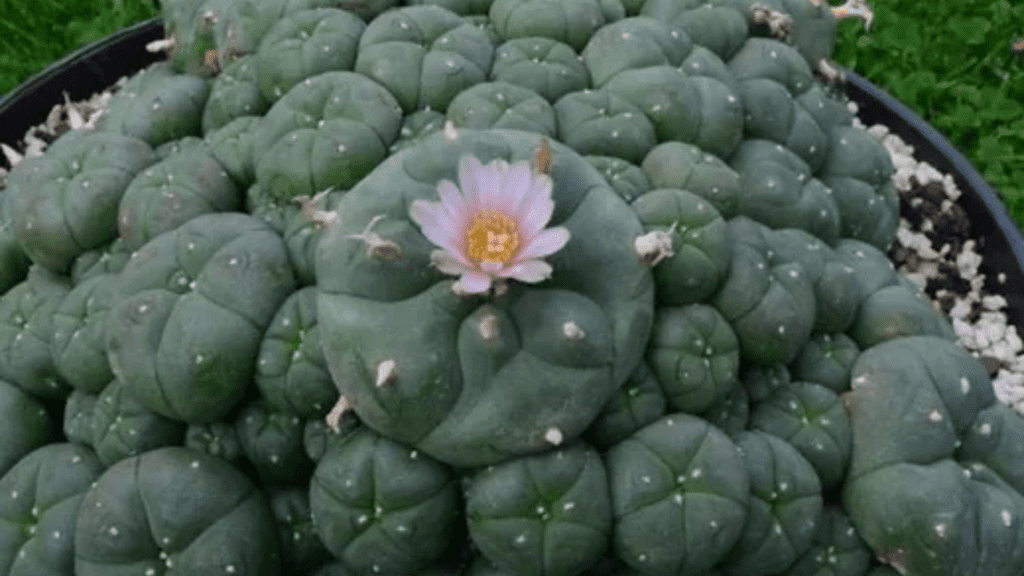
492 237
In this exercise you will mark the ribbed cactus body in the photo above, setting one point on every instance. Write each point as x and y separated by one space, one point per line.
291 371
701 243
570 21
826 359
927 453
685 166
784 509
813 420
234 93
542 515
487 287
680 494
190 312
602 123
502 106
379 503
694 355
576 340
545 65
158 105
639 402
173 191
26 425
424 55
273 441
65 203
331 130
123 427
207 516
304 44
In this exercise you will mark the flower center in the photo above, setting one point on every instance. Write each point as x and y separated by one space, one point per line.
492 237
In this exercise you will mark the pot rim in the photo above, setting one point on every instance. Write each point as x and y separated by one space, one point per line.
82 73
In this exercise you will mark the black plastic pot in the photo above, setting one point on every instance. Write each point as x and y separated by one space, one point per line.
82 73
98 65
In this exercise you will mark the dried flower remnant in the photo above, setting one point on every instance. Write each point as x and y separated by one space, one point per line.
655 246
210 61
311 209
849 9
779 23
162 45
542 159
854 9
377 247
337 412
491 227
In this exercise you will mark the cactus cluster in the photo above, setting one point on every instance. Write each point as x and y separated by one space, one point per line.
502 287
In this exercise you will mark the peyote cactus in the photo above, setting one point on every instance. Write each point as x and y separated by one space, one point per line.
191 309
174 509
79 409
26 330
330 131
184 185
65 203
304 44
396 330
158 106
26 425
123 427
291 371
931 452
382 507
488 287
79 344
273 442
549 514
680 494
42 495
301 548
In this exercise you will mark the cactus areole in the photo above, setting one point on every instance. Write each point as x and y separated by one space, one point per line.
531 337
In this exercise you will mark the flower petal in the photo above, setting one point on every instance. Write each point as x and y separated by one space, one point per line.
435 225
432 218
544 243
538 194
490 179
423 211
474 282
457 215
516 185
528 271
469 169
453 263
452 200
492 268
536 217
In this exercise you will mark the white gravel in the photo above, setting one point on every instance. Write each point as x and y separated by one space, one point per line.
990 335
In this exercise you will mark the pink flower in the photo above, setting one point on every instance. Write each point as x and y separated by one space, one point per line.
493 227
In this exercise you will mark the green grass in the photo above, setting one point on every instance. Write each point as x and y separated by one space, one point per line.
34 33
950 60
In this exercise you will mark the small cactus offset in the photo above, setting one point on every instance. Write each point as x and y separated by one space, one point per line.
488 287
